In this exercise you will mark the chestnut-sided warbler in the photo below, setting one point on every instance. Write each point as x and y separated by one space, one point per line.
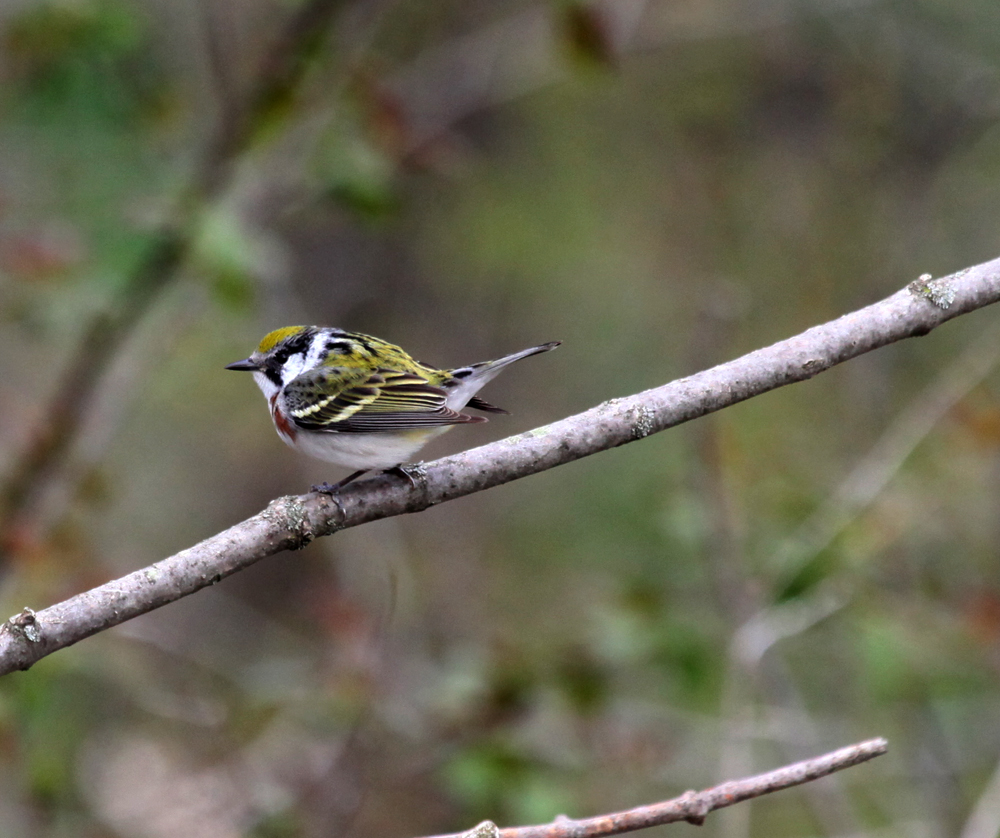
360 402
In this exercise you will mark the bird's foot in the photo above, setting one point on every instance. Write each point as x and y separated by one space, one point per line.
412 472
333 489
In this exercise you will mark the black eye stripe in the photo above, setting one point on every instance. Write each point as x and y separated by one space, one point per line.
295 345
341 347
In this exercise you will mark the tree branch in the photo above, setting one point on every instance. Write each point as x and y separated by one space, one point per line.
291 522
691 806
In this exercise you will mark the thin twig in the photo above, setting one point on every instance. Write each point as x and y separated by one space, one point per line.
869 477
984 822
292 522
759 634
776 622
692 806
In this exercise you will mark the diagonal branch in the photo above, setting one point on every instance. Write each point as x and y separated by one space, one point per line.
692 806
291 522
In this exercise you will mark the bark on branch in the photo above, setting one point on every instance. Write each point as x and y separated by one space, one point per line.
292 522
692 806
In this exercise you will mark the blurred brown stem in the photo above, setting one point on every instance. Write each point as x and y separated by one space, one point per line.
691 806
271 93
72 397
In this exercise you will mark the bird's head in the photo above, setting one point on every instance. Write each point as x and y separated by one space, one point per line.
281 356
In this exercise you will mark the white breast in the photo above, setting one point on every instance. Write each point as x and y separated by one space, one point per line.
362 451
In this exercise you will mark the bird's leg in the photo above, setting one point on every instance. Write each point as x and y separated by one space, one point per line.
325 488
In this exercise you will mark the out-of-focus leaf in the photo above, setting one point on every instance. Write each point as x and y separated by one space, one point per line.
483 775
54 32
889 663
52 710
587 33
356 175
89 49
582 679
230 255
367 199
281 825
689 658
496 780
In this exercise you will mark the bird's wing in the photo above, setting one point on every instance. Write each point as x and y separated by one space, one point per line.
482 404
349 400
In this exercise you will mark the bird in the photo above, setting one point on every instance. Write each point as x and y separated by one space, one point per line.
361 402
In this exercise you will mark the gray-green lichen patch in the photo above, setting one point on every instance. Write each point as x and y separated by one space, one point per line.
642 425
486 829
535 433
938 292
290 513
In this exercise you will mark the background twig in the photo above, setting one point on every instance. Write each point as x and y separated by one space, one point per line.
693 806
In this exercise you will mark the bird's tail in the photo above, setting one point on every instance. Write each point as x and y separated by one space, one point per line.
471 378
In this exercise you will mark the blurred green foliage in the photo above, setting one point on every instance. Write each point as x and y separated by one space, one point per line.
661 194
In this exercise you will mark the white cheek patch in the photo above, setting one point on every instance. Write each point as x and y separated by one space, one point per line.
302 361
296 365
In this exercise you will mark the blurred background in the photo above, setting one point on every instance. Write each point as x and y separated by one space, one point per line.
660 184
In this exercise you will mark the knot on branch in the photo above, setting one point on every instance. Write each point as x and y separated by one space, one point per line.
694 807
24 625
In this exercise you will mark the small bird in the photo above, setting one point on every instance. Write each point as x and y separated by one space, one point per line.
361 402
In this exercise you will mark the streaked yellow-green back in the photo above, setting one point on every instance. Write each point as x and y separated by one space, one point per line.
369 352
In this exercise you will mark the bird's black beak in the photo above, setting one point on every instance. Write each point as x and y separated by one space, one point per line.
246 365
